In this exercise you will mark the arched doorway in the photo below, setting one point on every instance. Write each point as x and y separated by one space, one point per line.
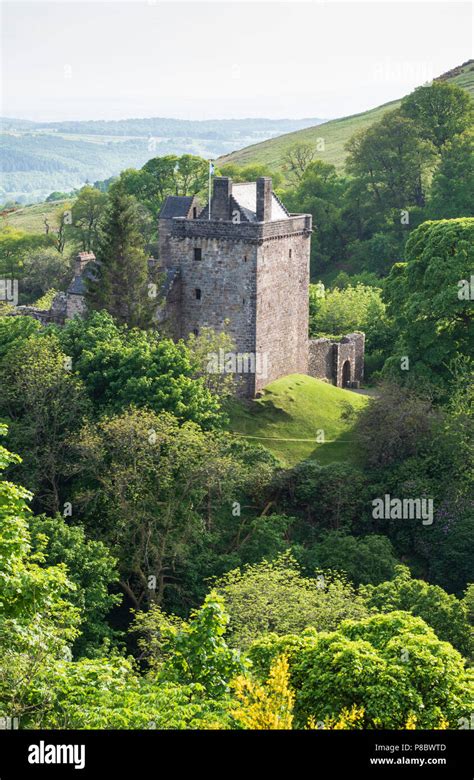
346 374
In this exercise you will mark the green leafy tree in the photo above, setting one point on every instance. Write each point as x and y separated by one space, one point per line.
274 597
191 174
326 497
43 269
122 367
15 246
429 300
297 159
14 331
392 161
445 613
319 192
395 426
391 666
167 175
190 652
37 620
469 603
364 559
151 491
87 212
203 348
353 308
57 195
45 402
109 693
452 191
440 111
91 568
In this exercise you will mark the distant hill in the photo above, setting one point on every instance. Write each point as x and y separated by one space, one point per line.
288 416
336 132
38 158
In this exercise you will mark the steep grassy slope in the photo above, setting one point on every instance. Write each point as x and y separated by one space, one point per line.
291 412
335 133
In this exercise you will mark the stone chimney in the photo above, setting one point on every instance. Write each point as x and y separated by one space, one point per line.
221 199
81 260
264 199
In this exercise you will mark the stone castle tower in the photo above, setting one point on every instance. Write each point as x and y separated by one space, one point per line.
243 268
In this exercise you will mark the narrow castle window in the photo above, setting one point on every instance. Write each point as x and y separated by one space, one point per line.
245 258
289 254
197 253
197 293
194 212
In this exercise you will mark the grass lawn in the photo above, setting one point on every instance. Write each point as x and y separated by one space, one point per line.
288 416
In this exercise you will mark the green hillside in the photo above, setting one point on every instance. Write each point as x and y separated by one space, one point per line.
335 133
31 218
288 416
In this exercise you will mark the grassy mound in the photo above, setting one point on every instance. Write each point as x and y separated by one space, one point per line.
290 415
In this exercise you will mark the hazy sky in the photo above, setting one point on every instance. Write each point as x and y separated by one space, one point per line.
90 60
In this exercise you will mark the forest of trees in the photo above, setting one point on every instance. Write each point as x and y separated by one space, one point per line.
158 571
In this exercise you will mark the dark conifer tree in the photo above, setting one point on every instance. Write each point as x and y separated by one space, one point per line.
119 281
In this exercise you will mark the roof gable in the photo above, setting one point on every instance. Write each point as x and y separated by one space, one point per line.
245 196
176 206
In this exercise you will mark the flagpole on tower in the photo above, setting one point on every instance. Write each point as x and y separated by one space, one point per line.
211 171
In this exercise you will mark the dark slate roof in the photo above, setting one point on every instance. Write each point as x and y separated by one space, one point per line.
176 206
78 284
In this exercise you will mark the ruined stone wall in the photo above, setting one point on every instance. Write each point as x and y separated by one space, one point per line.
327 359
56 314
344 352
351 348
282 305
321 359
76 305
359 346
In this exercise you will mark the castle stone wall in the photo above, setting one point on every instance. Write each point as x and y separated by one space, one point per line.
282 305
226 279
165 228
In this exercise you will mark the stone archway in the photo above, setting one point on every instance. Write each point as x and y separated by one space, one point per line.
346 374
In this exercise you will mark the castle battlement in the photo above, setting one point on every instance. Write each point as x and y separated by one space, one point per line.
253 232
